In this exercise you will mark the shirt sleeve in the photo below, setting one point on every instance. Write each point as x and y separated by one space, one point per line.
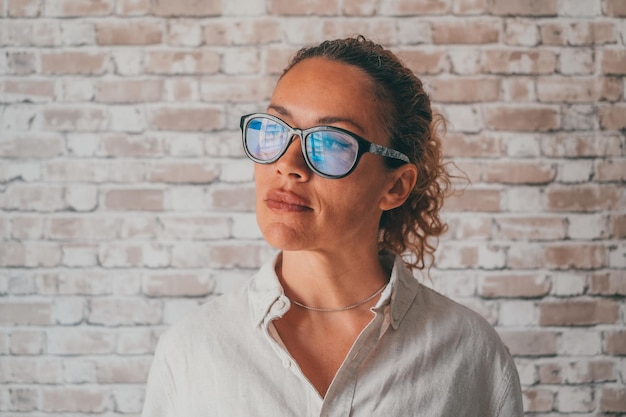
161 390
511 400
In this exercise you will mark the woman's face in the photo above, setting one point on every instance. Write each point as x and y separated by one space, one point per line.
299 210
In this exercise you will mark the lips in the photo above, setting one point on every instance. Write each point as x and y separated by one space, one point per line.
286 201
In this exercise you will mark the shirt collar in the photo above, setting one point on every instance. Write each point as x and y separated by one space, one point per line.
265 290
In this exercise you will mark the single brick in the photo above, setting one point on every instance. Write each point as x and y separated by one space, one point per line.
530 342
124 312
505 61
578 312
466 31
129 33
26 313
76 8
475 199
187 172
196 118
538 400
75 399
613 61
613 399
524 7
177 285
182 62
615 8
464 90
514 286
615 343
134 199
73 62
582 198
522 118
530 228
129 91
191 8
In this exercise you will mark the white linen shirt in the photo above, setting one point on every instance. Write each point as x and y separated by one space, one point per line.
421 355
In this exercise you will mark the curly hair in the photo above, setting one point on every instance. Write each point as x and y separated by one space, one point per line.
414 227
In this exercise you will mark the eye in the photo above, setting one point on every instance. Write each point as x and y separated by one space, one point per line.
336 141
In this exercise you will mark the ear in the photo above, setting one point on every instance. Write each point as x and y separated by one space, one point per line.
402 182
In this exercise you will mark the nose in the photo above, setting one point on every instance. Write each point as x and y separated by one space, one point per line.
292 162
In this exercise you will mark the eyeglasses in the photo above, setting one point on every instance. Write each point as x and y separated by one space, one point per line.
330 152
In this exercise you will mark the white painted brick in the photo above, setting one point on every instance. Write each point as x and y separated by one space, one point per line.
568 284
82 197
523 146
128 399
80 255
78 89
575 399
26 171
77 33
245 226
574 171
527 371
243 8
79 371
185 198
127 119
463 118
587 226
174 310
523 199
237 171
579 342
17 117
227 281
517 313
134 341
491 257
83 144
69 310
185 145
128 61
522 32
617 257
580 117
580 8
465 61
185 32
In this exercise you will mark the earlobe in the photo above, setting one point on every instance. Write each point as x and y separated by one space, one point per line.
404 179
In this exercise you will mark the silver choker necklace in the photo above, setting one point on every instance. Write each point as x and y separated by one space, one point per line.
332 310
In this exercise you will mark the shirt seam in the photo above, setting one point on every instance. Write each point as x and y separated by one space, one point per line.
505 387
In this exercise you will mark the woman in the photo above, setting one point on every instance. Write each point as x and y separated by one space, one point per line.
348 176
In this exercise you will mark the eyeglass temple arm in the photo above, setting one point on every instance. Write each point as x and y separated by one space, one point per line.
388 152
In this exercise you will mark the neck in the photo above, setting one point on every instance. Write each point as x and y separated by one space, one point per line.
331 281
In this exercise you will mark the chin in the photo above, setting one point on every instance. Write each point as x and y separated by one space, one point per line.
282 237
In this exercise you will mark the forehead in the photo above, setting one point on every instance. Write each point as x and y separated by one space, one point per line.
318 88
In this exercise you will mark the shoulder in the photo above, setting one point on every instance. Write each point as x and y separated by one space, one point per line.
448 314
468 340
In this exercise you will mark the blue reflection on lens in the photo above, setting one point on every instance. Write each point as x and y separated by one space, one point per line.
332 153
265 138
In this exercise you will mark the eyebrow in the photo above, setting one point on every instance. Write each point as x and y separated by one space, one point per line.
325 120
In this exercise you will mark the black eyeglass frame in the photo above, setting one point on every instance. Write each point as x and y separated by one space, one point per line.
364 145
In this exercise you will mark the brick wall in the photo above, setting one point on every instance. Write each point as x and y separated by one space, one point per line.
125 199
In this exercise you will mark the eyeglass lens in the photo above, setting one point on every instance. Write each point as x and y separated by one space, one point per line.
328 152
